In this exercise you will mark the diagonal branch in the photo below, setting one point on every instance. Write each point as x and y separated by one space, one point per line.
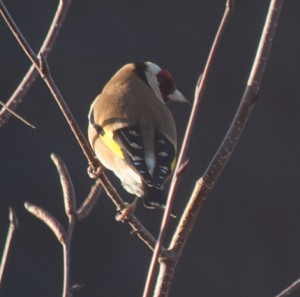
41 65
13 225
290 289
180 163
206 183
16 115
46 48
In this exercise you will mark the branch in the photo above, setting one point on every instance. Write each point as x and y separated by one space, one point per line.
15 115
289 290
94 164
42 67
13 225
90 201
48 219
70 210
206 183
135 224
67 186
63 236
181 163
46 48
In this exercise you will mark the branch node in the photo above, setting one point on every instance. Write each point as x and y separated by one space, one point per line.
230 5
44 67
183 167
167 255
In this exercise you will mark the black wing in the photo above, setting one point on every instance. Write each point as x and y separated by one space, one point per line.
165 159
131 142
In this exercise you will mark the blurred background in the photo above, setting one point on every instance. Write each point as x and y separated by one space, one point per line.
247 239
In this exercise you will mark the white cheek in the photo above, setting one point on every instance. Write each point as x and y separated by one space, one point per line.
153 82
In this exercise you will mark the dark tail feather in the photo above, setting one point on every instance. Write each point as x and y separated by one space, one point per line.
155 198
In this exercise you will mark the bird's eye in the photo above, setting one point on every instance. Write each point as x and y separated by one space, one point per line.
162 80
166 83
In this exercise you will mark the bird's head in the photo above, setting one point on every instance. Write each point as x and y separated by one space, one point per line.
161 82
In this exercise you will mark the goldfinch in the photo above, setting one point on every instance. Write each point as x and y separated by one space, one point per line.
132 131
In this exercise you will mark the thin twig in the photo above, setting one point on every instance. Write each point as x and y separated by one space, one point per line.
54 225
205 184
291 289
70 210
13 225
5 107
90 201
200 89
42 67
67 186
66 257
46 48
64 237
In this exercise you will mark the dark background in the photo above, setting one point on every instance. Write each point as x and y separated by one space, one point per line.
247 239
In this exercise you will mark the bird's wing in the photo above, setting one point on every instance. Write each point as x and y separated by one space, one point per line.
165 159
131 142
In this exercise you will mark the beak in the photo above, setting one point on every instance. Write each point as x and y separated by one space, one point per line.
177 96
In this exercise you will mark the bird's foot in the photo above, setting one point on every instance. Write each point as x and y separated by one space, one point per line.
124 214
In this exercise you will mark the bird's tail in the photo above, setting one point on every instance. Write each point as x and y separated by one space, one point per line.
155 198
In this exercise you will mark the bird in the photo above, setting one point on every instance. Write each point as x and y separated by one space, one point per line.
132 131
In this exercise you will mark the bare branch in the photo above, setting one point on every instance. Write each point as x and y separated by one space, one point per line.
46 48
49 220
43 69
66 258
181 163
16 115
94 163
291 289
205 184
13 225
89 203
66 184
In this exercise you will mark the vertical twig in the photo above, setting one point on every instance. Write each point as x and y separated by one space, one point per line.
205 184
66 258
30 76
70 210
64 237
13 225
67 186
198 94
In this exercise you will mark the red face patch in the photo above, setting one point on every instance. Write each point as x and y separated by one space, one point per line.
166 83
